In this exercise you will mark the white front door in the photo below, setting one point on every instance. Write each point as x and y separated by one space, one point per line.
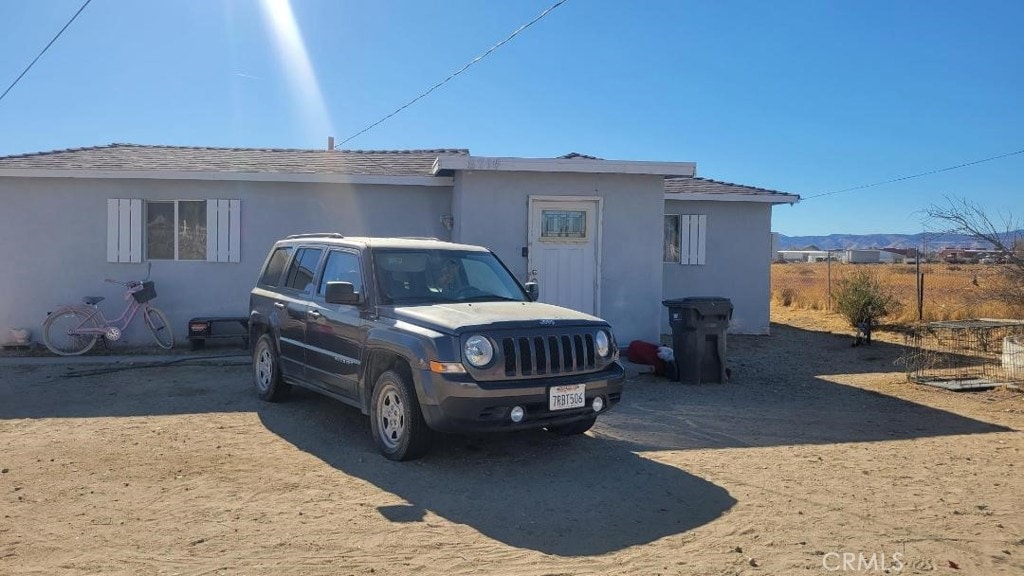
563 251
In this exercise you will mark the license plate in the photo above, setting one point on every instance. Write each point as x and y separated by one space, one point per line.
565 397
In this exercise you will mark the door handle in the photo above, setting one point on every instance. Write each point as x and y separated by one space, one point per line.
314 314
280 305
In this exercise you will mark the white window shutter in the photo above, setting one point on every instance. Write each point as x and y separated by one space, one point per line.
684 239
223 230
693 238
124 230
702 226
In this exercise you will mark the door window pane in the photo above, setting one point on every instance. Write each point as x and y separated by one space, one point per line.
160 230
341 267
300 276
563 224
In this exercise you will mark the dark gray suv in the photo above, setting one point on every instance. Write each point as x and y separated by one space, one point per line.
425 335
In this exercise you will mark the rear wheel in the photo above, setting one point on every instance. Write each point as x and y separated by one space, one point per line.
396 420
160 327
266 371
60 331
573 428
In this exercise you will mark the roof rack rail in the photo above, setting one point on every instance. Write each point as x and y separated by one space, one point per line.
435 239
316 235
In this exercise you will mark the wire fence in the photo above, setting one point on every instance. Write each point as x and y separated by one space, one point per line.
966 354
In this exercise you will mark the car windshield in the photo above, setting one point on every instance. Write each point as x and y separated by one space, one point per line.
411 276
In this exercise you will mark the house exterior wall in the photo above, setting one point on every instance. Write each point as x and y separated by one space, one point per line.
492 210
53 231
735 265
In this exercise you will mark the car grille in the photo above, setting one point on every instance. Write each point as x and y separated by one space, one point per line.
548 355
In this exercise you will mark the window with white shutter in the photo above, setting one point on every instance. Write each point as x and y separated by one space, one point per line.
173 230
685 238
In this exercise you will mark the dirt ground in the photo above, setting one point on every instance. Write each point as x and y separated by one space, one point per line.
815 453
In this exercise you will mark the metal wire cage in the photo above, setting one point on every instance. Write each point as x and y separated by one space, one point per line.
966 354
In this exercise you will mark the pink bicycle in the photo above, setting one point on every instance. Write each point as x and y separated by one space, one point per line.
74 329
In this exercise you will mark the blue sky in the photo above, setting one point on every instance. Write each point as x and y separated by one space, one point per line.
805 97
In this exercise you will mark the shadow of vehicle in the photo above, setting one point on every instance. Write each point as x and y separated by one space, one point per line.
563 496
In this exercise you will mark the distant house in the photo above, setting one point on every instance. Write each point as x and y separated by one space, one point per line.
608 237
860 256
814 255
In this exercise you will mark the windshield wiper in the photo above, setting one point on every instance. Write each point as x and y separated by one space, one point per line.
489 297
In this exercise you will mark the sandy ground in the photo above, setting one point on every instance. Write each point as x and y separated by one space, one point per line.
813 450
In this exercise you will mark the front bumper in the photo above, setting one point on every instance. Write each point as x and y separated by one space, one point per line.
461 405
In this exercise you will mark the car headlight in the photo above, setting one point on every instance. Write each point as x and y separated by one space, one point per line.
478 351
602 343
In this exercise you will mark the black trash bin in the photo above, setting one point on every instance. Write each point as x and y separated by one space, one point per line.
698 337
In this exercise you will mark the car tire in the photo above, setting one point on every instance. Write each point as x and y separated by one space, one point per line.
266 371
573 428
396 420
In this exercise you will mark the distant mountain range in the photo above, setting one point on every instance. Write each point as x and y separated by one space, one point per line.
930 241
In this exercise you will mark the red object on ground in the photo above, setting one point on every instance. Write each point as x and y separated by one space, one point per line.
640 352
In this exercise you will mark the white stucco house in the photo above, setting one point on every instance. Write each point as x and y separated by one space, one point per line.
609 237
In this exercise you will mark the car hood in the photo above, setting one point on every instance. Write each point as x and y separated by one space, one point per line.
457 317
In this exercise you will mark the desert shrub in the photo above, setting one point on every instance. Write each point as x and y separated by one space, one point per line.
860 297
786 296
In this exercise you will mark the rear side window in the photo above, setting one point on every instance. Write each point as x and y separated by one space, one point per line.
303 268
272 275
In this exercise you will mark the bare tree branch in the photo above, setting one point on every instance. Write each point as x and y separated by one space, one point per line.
961 216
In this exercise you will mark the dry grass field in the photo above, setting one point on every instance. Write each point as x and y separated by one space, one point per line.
951 291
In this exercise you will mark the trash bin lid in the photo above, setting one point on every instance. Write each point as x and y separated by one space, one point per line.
704 305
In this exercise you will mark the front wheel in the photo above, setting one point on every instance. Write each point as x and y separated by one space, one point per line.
159 327
396 420
62 331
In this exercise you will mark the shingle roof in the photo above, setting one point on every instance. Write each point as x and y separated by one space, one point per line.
707 186
132 157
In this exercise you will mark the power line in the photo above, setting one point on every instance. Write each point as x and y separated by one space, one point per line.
32 63
902 178
454 74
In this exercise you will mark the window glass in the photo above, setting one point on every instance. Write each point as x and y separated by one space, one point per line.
437 276
341 267
160 230
272 275
482 276
300 276
192 230
671 249
563 224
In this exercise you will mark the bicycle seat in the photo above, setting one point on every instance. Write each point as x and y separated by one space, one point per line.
92 300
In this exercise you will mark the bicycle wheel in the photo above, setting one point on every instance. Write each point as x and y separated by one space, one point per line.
160 327
59 331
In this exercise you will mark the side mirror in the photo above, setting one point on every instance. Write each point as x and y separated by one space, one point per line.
532 291
341 293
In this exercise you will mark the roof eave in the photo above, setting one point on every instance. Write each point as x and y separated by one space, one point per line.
381 179
451 164
776 198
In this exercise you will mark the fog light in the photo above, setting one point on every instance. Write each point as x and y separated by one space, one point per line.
598 404
517 414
